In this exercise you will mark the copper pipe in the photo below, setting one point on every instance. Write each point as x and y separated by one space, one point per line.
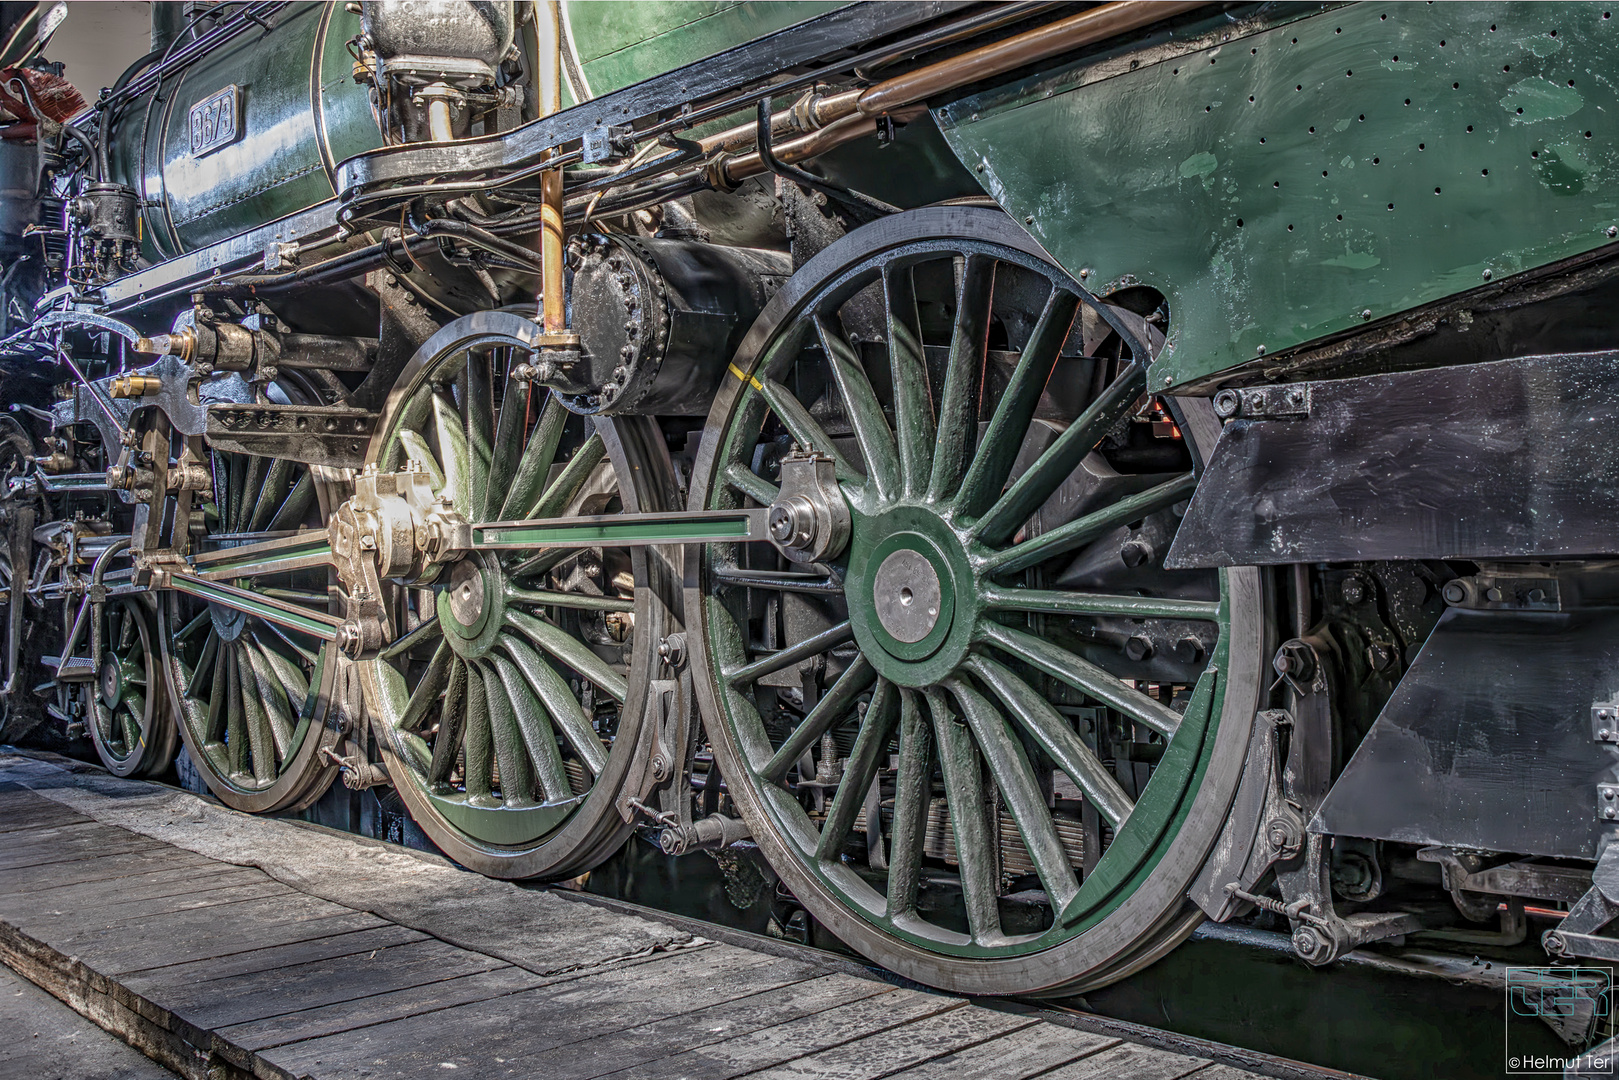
821 114
1041 43
553 306
814 144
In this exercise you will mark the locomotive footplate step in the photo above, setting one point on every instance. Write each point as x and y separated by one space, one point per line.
230 945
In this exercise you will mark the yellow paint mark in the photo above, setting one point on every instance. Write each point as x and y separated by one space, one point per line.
745 377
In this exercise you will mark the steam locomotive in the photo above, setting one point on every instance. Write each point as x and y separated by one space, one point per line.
1046 474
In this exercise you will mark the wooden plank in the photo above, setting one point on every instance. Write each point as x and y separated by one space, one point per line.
139 947
901 1047
1223 1072
46 1040
353 943
773 1046
145 886
1129 1059
1027 1052
22 809
104 868
74 916
240 999
603 1054
475 1036
262 1036
71 843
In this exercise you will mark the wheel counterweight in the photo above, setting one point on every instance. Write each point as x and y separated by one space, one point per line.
967 738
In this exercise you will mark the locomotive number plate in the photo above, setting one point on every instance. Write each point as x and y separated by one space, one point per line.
216 120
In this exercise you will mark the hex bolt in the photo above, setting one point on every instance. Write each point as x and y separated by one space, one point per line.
1354 590
1227 403
1455 593
1188 650
1138 648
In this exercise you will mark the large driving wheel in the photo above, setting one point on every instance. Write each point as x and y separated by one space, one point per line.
258 700
509 708
991 742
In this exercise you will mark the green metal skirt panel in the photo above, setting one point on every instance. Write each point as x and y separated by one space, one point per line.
1294 176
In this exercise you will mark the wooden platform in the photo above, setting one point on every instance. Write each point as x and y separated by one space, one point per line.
226 945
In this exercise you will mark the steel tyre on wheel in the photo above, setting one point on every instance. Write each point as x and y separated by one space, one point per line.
1047 727
509 708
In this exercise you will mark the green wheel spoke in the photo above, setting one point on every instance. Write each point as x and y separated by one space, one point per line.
1083 530
913 404
453 453
511 755
1003 439
480 429
559 495
751 484
425 631
913 791
865 412
479 743
261 758
524 741
426 693
969 819
268 699
806 431
1054 602
860 771
514 408
1030 491
826 640
1082 675
236 722
571 651
451 725
958 403
295 508
834 705
1048 728
580 601
1020 793
416 449
277 483
535 464
564 709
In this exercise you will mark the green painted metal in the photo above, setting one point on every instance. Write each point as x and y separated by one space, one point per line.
614 531
502 824
918 476
315 623
1293 178
301 113
618 44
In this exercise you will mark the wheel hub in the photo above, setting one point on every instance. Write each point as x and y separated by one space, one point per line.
112 681
906 593
907 573
471 606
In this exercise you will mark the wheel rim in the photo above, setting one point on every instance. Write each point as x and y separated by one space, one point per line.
510 708
130 723
972 655
257 701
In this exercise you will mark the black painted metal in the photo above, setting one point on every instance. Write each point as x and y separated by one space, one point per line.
1488 741
1509 459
